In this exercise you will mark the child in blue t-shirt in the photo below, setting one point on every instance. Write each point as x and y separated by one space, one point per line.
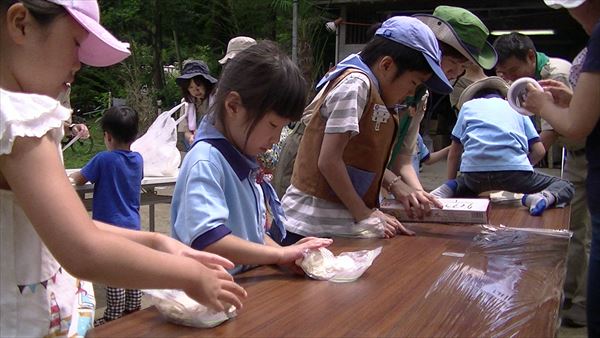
422 155
498 147
117 176
222 203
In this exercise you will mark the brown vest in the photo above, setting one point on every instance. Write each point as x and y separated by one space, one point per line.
368 151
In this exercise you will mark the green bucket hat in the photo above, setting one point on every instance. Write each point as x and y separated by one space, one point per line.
463 31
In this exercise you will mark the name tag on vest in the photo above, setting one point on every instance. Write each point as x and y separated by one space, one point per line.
380 115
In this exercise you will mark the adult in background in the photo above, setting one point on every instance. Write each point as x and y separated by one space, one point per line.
517 57
236 45
577 116
196 86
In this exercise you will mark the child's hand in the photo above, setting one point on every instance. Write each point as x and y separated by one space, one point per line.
392 226
291 253
81 130
417 202
216 289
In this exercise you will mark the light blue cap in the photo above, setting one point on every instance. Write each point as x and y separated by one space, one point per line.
413 33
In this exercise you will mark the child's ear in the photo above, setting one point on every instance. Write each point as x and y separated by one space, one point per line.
531 56
233 103
387 65
17 21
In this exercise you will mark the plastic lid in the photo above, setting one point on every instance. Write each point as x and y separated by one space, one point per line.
517 94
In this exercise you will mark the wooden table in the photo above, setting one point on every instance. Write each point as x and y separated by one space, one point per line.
396 296
150 196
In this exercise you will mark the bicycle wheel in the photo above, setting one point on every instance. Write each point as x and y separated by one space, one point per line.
83 147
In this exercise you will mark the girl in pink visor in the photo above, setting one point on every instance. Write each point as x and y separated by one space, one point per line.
49 245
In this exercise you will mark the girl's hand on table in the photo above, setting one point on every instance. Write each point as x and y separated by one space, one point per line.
289 254
392 224
417 202
215 288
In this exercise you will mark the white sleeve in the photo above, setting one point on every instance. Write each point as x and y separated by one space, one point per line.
29 115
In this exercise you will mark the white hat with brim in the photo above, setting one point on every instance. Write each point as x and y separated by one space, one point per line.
100 48
235 46
568 4
492 82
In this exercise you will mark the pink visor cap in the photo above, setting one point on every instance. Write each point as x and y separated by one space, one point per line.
100 48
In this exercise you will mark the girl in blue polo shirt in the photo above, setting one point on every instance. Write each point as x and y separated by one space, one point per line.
221 203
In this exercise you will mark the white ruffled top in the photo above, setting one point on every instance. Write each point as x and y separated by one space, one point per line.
39 298
29 115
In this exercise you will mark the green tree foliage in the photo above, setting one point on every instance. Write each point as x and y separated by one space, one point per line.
167 32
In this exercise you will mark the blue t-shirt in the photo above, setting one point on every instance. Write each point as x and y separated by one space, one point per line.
592 147
117 177
494 136
216 194
421 155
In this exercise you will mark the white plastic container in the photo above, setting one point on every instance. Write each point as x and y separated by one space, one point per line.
517 94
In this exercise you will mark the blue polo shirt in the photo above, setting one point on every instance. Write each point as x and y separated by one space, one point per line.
117 177
494 136
216 194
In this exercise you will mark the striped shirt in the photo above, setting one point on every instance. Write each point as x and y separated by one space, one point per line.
311 216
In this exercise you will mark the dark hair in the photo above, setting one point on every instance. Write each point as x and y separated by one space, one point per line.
513 44
121 122
483 92
405 57
43 11
372 30
266 80
199 81
450 51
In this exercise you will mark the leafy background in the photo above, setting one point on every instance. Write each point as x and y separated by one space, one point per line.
167 32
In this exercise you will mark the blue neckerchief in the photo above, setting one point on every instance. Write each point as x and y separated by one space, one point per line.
352 61
243 166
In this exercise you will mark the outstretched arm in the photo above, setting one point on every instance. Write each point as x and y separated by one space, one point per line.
332 166
437 156
537 153
63 224
245 252
581 116
454 154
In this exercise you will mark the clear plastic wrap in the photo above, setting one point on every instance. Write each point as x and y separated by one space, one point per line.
371 227
322 264
487 284
178 308
506 197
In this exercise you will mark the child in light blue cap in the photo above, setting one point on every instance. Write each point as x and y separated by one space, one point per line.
347 140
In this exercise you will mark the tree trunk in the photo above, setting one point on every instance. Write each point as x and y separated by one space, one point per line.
157 66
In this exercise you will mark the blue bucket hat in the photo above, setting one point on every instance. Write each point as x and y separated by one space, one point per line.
413 33
195 68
